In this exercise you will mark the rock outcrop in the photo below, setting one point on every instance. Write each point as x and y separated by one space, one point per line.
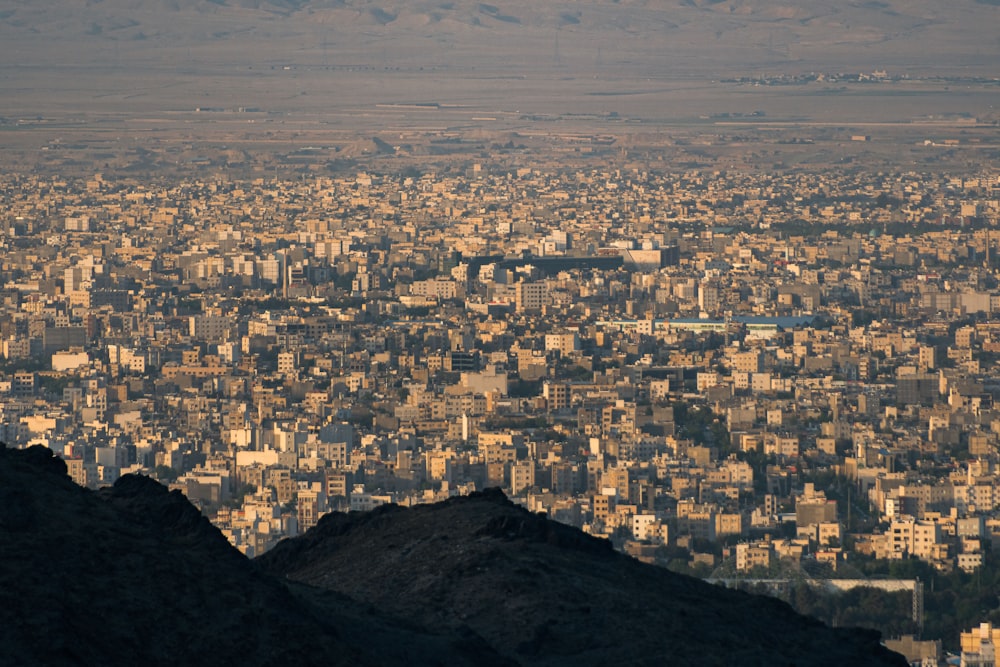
133 574
544 593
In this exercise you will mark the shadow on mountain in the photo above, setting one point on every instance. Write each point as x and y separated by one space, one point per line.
134 574
540 592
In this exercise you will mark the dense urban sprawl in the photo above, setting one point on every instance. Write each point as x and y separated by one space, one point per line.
725 370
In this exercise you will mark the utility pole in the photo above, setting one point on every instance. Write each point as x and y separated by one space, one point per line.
987 259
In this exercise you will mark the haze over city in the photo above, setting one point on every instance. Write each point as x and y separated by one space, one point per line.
457 327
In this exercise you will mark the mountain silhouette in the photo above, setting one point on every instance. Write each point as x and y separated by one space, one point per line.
134 574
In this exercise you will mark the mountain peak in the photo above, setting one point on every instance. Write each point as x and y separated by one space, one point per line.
133 573
40 459
540 592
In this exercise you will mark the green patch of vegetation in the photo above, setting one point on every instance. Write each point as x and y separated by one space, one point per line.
165 474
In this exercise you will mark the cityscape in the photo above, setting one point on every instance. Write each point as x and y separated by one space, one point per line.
740 323
685 364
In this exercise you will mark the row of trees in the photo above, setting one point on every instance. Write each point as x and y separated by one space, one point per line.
953 602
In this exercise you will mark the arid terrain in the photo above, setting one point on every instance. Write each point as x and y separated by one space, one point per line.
134 573
120 74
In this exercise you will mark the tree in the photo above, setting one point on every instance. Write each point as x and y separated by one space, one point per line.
165 473
239 493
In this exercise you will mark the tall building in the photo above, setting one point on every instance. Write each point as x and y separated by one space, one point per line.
708 297
529 296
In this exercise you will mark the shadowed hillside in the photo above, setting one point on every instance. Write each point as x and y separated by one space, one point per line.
133 574
546 593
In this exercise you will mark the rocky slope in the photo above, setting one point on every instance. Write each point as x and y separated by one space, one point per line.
544 593
133 574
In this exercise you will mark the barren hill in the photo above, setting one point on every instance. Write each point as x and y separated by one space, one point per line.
133 574
637 35
544 593
109 71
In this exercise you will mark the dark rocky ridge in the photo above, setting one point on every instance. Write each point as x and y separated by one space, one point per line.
133 574
545 593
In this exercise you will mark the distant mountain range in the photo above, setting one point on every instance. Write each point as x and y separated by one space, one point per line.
133 574
677 36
